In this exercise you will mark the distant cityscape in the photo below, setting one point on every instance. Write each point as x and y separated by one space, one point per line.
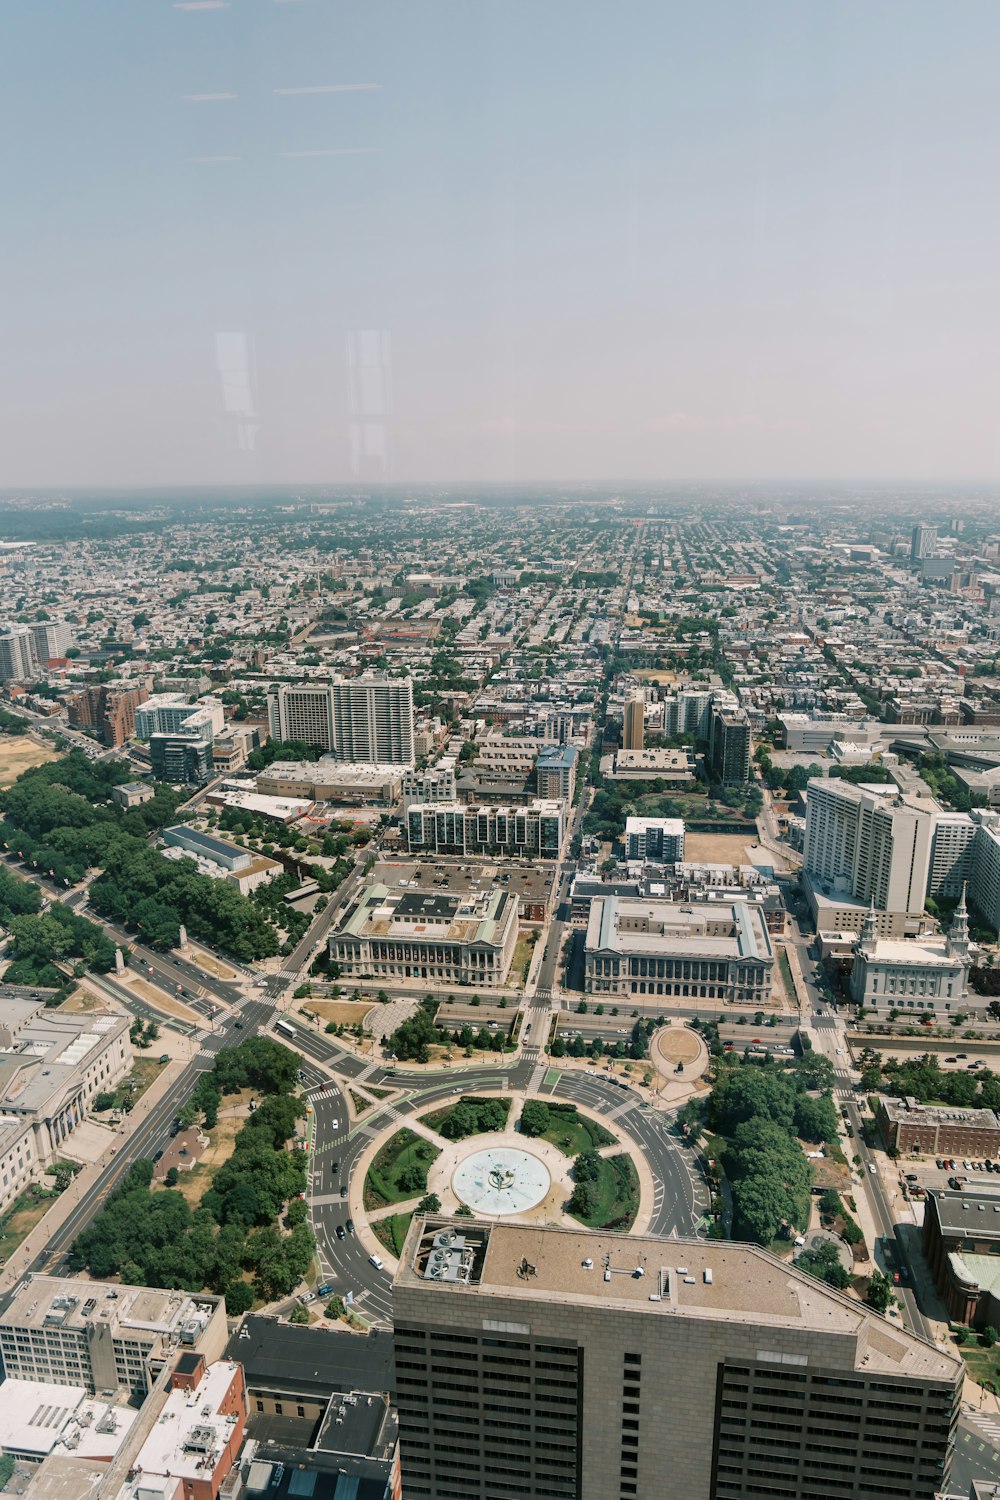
499 994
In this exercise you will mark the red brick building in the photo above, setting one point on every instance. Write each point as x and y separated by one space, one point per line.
938 1130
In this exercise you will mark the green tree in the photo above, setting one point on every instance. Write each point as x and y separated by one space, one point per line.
823 1262
239 1298
879 1295
586 1167
816 1119
535 1118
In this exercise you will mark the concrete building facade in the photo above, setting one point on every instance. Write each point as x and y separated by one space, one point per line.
915 974
540 1361
398 935
660 839
104 1337
358 719
555 772
52 1064
870 844
729 750
536 829
636 946
18 661
961 1244
633 722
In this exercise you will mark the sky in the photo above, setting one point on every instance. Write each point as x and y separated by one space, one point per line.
291 241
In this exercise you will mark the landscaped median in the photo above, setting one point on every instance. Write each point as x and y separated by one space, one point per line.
564 1126
606 1195
399 1171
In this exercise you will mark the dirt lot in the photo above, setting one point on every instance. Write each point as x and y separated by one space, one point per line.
164 1002
647 674
198 1179
18 753
723 849
83 998
677 1044
341 1012
211 965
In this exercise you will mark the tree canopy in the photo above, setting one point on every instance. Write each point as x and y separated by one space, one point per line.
156 1238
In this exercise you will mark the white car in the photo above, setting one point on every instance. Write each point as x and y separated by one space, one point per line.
376 1261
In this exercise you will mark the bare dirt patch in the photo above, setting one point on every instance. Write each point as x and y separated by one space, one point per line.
164 1002
84 999
341 1012
198 1180
18 753
677 1044
722 849
211 965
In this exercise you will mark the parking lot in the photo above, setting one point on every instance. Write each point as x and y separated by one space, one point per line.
917 1174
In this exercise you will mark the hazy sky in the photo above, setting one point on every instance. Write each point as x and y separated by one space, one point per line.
302 240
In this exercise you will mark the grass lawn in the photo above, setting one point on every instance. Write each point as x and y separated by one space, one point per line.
522 957
572 1133
617 1195
391 1232
983 1365
437 1117
144 1071
22 1216
399 1171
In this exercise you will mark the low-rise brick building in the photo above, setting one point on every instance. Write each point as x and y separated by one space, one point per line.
935 1130
961 1243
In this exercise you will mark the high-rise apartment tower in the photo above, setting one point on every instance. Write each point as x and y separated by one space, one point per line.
363 719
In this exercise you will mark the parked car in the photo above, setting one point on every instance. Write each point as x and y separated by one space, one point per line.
376 1261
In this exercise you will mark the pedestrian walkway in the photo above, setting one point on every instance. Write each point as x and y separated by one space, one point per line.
987 1425
621 1109
537 1077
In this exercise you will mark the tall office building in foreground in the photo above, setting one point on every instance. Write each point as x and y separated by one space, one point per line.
536 1361
360 719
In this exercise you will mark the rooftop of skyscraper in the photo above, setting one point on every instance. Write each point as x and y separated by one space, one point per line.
666 1278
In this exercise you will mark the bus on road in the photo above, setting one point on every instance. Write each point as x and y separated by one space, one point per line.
285 1026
